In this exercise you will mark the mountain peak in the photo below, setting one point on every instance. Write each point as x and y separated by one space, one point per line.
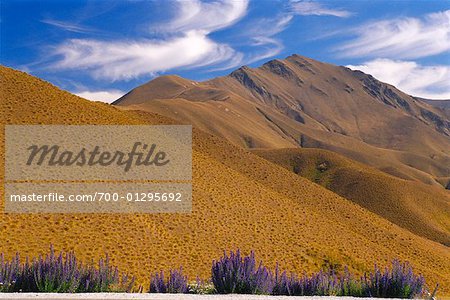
162 87
242 69
170 79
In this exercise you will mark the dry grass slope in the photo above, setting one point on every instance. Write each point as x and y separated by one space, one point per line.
415 206
240 200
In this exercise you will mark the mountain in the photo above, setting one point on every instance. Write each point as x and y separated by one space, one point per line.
239 200
300 102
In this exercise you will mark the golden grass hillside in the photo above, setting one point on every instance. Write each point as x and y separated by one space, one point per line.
415 206
239 200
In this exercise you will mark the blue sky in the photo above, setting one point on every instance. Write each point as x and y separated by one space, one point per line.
101 49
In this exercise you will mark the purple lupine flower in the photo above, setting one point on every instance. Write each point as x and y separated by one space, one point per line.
236 274
157 284
10 273
399 282
175 284
59 273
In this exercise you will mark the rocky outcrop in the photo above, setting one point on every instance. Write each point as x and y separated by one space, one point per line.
279 68
243 76
440 124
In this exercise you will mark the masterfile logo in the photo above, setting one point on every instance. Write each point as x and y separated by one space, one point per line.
96 168
55 156
98 152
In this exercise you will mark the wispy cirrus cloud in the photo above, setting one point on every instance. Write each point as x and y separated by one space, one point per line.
432 82
261 35
107 96
188 45
68 26
401 38
263 31
207 16
313 8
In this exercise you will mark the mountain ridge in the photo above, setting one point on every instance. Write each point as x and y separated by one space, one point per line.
300 102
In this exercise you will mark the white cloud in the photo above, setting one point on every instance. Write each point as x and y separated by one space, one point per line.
188 46
432 82
402 38
127 60
312 8
208 16
104 96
